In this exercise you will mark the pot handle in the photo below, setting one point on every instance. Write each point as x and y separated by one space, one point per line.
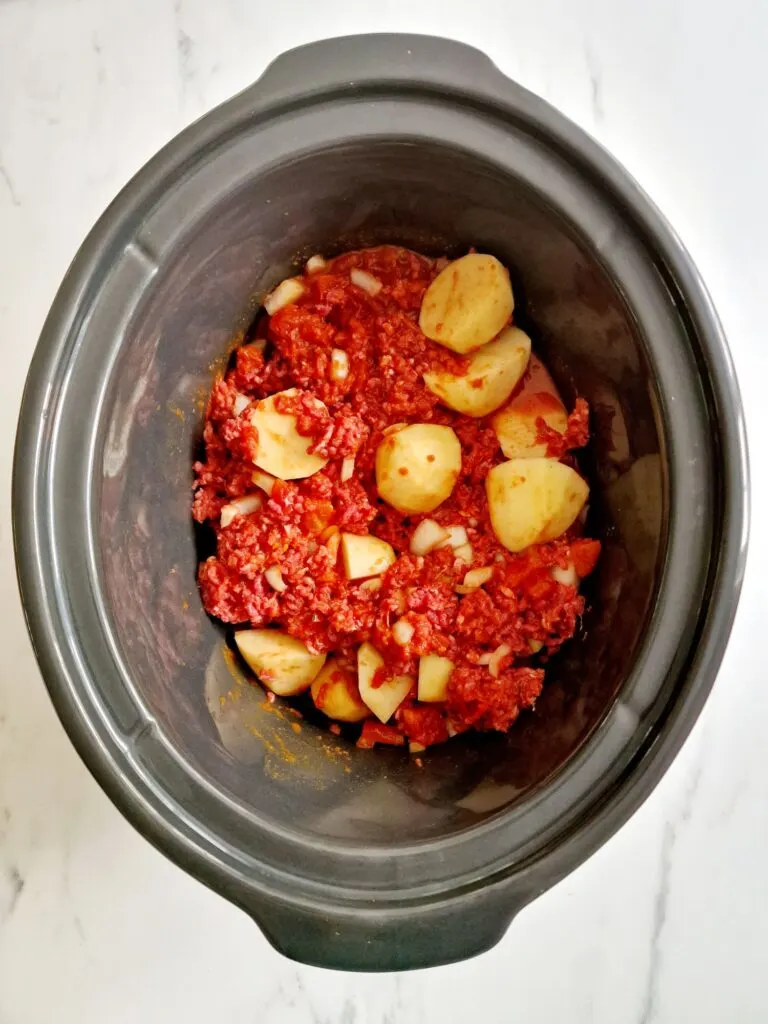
345 62
348 939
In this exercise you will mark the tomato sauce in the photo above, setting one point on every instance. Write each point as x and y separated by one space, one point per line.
522 613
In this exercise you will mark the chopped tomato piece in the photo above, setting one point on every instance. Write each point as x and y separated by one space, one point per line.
376 732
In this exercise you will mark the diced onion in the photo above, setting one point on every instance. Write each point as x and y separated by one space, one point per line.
451 729
457 537
240 403
327 533
315 264
427 536
347 468
485 659
415 748
374 584
535 646
465 553
366 281
287 291
241 507
475 578
403 631
339 364
567 576
274 578
494 665
263 480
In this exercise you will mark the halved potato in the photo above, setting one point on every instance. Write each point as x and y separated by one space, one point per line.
417 467
282 662
335 693
383 700
281 449
494 371
468 303
533 500
365 556
516 428
434 673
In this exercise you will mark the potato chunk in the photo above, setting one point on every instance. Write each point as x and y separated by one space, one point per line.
434 673
468 303
383 700
494 371
533 500
365 556
417 467
335 693
282 663
281 449
515 424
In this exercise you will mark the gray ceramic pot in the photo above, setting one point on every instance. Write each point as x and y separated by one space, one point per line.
350 858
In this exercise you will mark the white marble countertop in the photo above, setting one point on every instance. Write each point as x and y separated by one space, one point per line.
669 921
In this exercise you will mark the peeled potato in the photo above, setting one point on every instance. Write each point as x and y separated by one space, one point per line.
533 500
282 663
494 371
281 450
516 425
383 700
335 693
434 673
365 556
468 303
417 467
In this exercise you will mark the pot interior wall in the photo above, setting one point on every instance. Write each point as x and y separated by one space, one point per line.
292 773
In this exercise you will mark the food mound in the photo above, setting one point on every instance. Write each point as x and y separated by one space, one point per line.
397 513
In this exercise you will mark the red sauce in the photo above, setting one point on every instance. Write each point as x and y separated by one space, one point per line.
522 606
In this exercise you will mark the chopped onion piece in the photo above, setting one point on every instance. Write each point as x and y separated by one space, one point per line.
374 584
327 533
347 468
457 537
465 553
263 480
241 507
287 291
535 646
366 281
315 264
427 536
403 631
240 403
567 576
415 748
451 729
485 659
477 577
339 364
494 665
274 578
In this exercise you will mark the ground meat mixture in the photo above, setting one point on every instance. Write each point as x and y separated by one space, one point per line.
280 565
